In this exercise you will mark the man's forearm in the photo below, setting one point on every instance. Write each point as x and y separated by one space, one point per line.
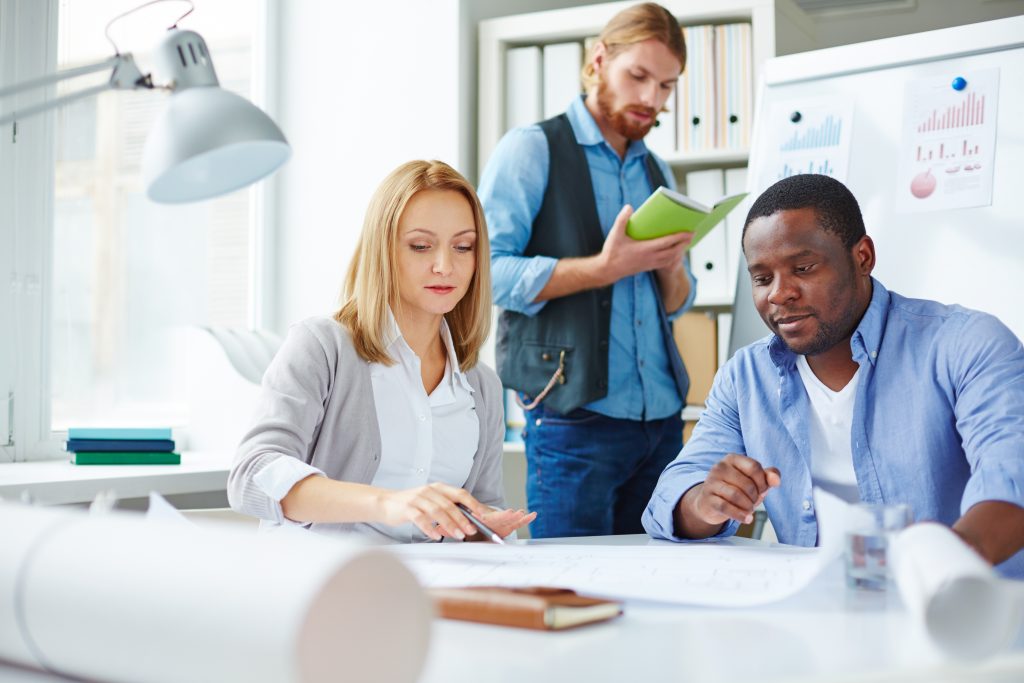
572 275
674 286
994 528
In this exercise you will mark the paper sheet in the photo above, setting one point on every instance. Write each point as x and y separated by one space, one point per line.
966 609
117 598
690 573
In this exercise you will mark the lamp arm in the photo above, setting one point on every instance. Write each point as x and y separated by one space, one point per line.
124 75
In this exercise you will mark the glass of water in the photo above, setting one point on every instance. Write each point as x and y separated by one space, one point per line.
869 528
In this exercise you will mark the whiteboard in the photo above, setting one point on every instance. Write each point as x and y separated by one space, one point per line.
970 256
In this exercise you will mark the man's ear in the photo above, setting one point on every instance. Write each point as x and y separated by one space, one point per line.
863 253
599 56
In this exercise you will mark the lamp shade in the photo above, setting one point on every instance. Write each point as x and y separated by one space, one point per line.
208 142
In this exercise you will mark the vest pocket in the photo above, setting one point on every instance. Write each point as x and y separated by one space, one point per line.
542 366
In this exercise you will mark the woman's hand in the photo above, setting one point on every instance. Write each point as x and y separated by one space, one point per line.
432 509
504 522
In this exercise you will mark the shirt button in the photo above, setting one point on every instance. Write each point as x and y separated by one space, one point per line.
423 418
807 505
419 471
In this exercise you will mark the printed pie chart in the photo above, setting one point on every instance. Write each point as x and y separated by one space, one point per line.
923 184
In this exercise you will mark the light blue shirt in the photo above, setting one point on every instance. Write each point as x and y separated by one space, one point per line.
640 381
938 420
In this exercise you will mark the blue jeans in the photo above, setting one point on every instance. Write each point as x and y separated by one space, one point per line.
592 475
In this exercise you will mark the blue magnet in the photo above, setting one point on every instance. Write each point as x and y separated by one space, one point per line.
959 83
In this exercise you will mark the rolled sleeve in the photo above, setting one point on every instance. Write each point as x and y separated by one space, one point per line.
278 478
990 410
512 190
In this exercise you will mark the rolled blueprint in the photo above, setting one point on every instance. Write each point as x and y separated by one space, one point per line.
116 598
966 609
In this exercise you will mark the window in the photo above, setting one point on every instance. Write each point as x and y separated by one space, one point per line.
122 277
129 274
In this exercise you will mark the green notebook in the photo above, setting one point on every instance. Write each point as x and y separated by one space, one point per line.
666 212
125 458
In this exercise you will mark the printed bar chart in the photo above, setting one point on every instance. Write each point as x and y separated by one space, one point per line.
970 112
827 134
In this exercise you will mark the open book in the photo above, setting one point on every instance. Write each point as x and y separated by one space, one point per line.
537 607
666 212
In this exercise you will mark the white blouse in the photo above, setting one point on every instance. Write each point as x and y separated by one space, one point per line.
424 439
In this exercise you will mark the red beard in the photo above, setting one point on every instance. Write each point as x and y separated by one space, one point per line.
620 123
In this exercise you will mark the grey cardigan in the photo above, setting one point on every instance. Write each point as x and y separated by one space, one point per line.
316 404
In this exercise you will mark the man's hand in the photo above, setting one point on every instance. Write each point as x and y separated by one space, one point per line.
622 256
735 486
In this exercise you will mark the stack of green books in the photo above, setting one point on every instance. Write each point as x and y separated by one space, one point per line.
121 446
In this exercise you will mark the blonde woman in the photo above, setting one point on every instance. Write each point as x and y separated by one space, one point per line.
380 419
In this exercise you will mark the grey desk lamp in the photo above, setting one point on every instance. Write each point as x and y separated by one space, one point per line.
207 141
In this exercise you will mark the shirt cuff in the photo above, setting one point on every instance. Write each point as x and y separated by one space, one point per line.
278 478
1003 481
659 517
534 277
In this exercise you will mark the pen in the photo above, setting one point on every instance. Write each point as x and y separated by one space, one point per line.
487 531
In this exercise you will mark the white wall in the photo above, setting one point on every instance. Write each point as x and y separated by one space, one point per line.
362 87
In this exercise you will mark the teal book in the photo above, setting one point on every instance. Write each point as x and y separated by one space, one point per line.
124 458
667 212
119 433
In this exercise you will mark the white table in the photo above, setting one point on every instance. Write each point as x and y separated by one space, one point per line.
58 482
825 633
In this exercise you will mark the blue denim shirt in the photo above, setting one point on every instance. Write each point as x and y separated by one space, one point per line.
640 383
938 421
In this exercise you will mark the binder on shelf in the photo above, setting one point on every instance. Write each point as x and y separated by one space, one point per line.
734 80
735 182
662 138
696 92
562 64
696 336
708 258
523 95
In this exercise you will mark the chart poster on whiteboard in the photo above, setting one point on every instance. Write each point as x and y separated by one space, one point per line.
949 141
809 136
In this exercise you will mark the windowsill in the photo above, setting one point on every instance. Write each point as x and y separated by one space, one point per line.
58 482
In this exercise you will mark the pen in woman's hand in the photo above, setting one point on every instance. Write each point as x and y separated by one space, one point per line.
487 531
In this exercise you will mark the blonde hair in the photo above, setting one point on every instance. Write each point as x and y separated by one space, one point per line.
631 26
371 284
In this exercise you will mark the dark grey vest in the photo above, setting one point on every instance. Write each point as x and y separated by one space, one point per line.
529 348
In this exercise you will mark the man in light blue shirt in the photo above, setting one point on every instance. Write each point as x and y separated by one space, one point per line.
584 336
937 419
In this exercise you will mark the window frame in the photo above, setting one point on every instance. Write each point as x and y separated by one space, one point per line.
27 177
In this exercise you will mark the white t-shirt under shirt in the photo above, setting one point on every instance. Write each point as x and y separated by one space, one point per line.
830 426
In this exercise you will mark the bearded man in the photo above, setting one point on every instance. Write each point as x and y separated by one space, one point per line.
584 337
